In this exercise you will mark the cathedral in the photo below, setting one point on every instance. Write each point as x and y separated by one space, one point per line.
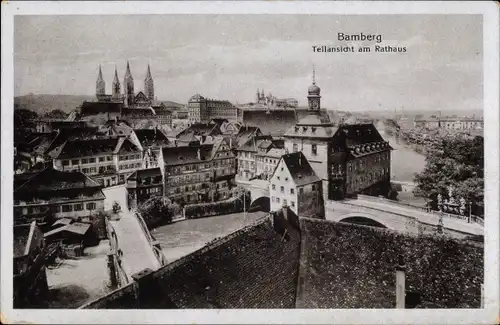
130 99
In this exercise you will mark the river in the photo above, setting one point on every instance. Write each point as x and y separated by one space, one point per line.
405 162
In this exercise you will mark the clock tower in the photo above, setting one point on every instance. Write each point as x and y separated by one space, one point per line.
313 97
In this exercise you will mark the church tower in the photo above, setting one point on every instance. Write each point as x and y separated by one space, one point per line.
149 88
313 97
116 91
257 98
100 85
128 85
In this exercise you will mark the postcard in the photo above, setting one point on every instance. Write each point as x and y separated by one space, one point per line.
250 162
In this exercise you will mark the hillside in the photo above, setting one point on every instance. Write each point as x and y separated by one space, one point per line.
45 103
172 105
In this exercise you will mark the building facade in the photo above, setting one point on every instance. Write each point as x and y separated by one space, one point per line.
203 110
294 184
142 185
55 194
335 152
196 172
109 161
449 123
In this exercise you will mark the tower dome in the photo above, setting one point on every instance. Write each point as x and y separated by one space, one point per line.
314 89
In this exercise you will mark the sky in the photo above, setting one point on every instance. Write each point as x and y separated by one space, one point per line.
231 56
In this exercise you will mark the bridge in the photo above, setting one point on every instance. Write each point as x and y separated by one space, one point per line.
138 248
398 216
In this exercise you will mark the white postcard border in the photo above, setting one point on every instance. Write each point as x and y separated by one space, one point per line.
488 315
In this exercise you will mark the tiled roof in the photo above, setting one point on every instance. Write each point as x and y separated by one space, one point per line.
51 179
300 169
20 179
275 122
76 228
253 143
138 112
151 138
91 108
359 134
314 125
186 154
148 172
202 129
87 148
273 153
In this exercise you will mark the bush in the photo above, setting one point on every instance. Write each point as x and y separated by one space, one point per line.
157 210
200 210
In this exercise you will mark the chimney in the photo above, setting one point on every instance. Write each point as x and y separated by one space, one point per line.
300 160
199 154
400 283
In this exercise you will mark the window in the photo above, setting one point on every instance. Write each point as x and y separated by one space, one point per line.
282 189
277 200
284 202
292 191
314 149
91 206
313 187
67 208
75 162
109 158
292 203
65 162
295 147
85 161
101 159
78 207
92 160
301 190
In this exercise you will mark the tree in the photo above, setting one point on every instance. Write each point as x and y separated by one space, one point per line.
23 118
458 162
56 114
157 210
242 193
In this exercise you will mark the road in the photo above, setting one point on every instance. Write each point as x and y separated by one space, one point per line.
137 251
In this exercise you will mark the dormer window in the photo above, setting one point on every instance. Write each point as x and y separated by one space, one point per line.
313 129
296 129
304 128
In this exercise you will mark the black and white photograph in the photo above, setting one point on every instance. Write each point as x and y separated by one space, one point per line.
236 159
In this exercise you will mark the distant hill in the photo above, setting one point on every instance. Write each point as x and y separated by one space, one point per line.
45 103
172 105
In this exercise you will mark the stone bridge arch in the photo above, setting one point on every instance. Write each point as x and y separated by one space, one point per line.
262 203
365 219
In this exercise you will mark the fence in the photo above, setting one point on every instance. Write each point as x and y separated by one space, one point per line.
471 219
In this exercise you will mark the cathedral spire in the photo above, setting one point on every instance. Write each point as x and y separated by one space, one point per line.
116 86
314 75
128 87
148 73
100 85
149 89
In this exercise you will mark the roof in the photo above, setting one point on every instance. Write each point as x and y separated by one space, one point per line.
20 179
138 112
151 138
301 171
186 154
196 98
202 129
355 134
62 221
76 228
274 153
91 108
148 172
51 179
88 148
275 122
253 143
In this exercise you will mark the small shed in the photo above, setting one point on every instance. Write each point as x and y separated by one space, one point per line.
75 233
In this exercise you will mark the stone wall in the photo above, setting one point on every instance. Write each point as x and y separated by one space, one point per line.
351 266
255 267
